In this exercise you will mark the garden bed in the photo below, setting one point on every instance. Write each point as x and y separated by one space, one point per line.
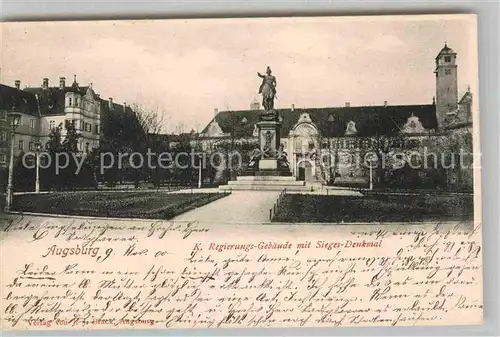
374 208
143 205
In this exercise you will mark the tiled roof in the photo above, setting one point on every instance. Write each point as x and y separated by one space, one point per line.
332 122
13 99
446 50
51 100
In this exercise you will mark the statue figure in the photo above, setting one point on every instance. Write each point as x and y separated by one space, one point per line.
283 157
267 148
255 155
267 89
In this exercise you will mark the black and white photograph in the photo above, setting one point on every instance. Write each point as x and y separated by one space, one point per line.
317 120
240 173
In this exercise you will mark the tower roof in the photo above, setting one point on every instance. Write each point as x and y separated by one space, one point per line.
446 51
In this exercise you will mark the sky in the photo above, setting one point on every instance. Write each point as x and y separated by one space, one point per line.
188 68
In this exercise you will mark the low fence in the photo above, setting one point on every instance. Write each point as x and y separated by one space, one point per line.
274 209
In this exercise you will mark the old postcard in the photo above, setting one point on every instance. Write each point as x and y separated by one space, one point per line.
247 172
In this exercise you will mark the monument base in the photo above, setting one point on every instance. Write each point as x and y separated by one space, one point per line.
269 170
264 182
268 164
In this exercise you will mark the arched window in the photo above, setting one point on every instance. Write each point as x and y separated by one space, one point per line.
298 144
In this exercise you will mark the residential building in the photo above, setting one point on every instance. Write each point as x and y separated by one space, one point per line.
44 108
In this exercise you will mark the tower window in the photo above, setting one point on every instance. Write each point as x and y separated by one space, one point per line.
447 59
447 71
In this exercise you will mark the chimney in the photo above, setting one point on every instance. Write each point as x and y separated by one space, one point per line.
347 104
293 107
62 83
45 84
17 84
110 103
385 103
216 112
124 106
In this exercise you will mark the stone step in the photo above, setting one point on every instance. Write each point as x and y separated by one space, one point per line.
268 182
273 173
266 178
262 188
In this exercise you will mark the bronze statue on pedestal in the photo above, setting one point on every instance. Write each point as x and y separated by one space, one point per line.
268 90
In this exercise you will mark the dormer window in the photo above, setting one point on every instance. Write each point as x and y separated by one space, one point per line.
76 101
70 101
447 59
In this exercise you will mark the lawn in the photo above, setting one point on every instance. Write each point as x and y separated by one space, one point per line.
143 205
375 208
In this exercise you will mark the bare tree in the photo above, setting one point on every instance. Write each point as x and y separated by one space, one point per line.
151 119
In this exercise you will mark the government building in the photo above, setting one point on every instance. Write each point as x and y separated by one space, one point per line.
329 145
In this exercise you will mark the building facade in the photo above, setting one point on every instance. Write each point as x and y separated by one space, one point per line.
337 145
47 107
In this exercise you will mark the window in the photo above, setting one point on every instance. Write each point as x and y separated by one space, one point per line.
52 125
447 59
3 158
76 101
298 144
364 144
31 146
447 71
3 136
87 147
32 123
70 101
3 115
21 144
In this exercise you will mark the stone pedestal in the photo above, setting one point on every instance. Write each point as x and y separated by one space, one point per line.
268 164
267 171
270 159
269 140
